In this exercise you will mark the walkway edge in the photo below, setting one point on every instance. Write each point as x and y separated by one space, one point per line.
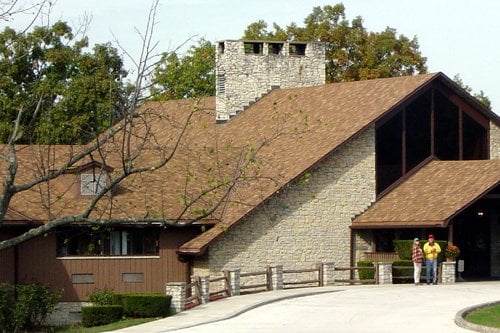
253 306
460 319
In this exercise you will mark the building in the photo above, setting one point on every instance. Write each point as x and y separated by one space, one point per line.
305 172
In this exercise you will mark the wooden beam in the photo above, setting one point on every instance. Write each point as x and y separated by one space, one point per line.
433 122
460 134
403 143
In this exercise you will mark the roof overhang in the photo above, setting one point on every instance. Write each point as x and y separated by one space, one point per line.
433 196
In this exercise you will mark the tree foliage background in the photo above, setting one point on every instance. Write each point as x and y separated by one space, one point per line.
352 52
66 93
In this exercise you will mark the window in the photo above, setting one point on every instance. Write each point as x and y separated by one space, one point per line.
297 49
116 242
275 48
221 47
92 183
253 48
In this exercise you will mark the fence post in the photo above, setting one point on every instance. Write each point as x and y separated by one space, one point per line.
178 292
276 277
234 281
384 272
268 278
448 272
320 275
195 287
328 273
205 289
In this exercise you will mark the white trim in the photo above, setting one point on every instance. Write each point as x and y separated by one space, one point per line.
106 257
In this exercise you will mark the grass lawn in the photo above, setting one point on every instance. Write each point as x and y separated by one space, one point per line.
489 316
110 327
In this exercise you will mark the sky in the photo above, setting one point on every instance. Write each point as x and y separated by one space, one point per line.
457 36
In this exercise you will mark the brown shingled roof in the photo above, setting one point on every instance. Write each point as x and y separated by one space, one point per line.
326 116
433 195
291 129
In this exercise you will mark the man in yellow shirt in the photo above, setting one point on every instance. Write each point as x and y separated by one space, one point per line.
431 251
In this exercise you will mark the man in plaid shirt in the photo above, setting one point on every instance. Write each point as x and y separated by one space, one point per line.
417 256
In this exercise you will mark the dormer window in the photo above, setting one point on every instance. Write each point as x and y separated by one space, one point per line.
92 183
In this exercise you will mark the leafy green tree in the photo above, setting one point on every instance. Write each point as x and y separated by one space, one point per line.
186 77
481 96
352 52
64 94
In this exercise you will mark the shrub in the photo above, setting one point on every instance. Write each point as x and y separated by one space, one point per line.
102 297
366 274
146 305
117 299
7 302
33 304
403 248
101 314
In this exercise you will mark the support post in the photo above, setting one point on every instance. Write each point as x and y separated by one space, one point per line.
178 292
234 281
448 272
384 273
328 273
276 277
205 289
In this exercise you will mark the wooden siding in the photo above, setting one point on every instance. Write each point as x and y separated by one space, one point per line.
37 263
7 260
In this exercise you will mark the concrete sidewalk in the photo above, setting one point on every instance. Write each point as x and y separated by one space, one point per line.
381 308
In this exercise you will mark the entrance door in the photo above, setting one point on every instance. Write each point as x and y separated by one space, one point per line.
471 232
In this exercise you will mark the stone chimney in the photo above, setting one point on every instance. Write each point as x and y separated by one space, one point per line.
247 70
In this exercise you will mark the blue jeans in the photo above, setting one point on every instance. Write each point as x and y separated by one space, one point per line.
428 265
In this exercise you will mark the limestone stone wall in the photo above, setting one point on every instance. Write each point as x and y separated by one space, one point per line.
66 313
494 141
243 77
306 223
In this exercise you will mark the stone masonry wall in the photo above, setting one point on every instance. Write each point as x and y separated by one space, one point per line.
494 141
242 78
306 223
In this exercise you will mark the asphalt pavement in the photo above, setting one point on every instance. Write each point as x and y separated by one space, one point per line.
368 308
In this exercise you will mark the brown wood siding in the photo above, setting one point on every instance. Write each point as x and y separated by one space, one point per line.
38 264
7 261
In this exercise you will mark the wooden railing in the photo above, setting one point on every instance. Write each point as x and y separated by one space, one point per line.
306 282
194 289
224 291
381 256
257 287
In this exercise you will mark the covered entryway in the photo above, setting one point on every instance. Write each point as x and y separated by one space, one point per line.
476 231
458 201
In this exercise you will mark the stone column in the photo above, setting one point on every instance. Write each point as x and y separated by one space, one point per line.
234 281
328 273
205 289
448 272
384 272
178 292
276 277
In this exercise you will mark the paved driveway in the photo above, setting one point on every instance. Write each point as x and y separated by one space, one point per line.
394 308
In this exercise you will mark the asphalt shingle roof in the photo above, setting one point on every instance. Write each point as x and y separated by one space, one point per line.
433 195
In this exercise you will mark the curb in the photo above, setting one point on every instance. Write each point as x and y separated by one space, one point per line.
460 321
